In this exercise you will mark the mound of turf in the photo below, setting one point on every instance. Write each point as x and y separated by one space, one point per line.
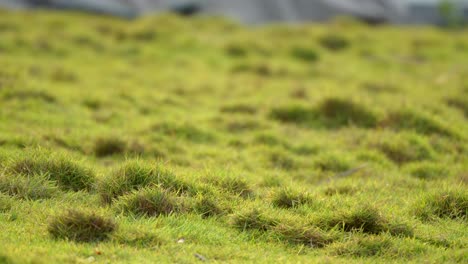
68 174
134 175
443 204
148 202
81 227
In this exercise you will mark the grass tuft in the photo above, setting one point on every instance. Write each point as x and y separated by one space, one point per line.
334 42
239 109
185 132
134 175
404 148
68 174
253 220
368 246
413 121
293 114
444 204
81 227
309 236
330 113
108 146
305 54
148 202
333 163
428 170
32 187
338 112
282 160
29 94
340 190
365 219
6 203
235 186
207 207
287 198
459 103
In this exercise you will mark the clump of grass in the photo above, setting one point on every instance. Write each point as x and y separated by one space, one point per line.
309 236
29 94
305 54
334 42
459 103
185 132
235 186
287 198
239 108
377 246
404 148
282 160
33 187
340 190
242 125
236 50
6 203
366 219
269 140
108 146
60 74
377 87
337 112
207 207
332 162
148 202
428 170
451 204
81 227
69 175
330 113
253 220
419 123
134 175
368 246
91 103
6 259
293 114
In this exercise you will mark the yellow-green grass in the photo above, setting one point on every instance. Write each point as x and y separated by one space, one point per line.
168 139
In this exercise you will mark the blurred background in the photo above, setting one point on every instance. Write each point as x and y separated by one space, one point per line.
437 12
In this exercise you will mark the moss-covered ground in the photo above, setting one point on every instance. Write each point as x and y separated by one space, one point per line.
169 139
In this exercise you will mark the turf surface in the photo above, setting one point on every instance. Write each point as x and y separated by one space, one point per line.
169 139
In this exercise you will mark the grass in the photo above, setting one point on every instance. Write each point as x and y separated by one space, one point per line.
34 187
68 174
365 219
135 175
107 146
253 220
168 139
287 198
452 204
148 202
331 113
81 227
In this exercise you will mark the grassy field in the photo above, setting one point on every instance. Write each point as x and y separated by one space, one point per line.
169 139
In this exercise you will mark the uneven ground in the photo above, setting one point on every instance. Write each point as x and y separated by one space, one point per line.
173 140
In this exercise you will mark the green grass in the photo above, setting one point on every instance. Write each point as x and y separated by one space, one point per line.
168 139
